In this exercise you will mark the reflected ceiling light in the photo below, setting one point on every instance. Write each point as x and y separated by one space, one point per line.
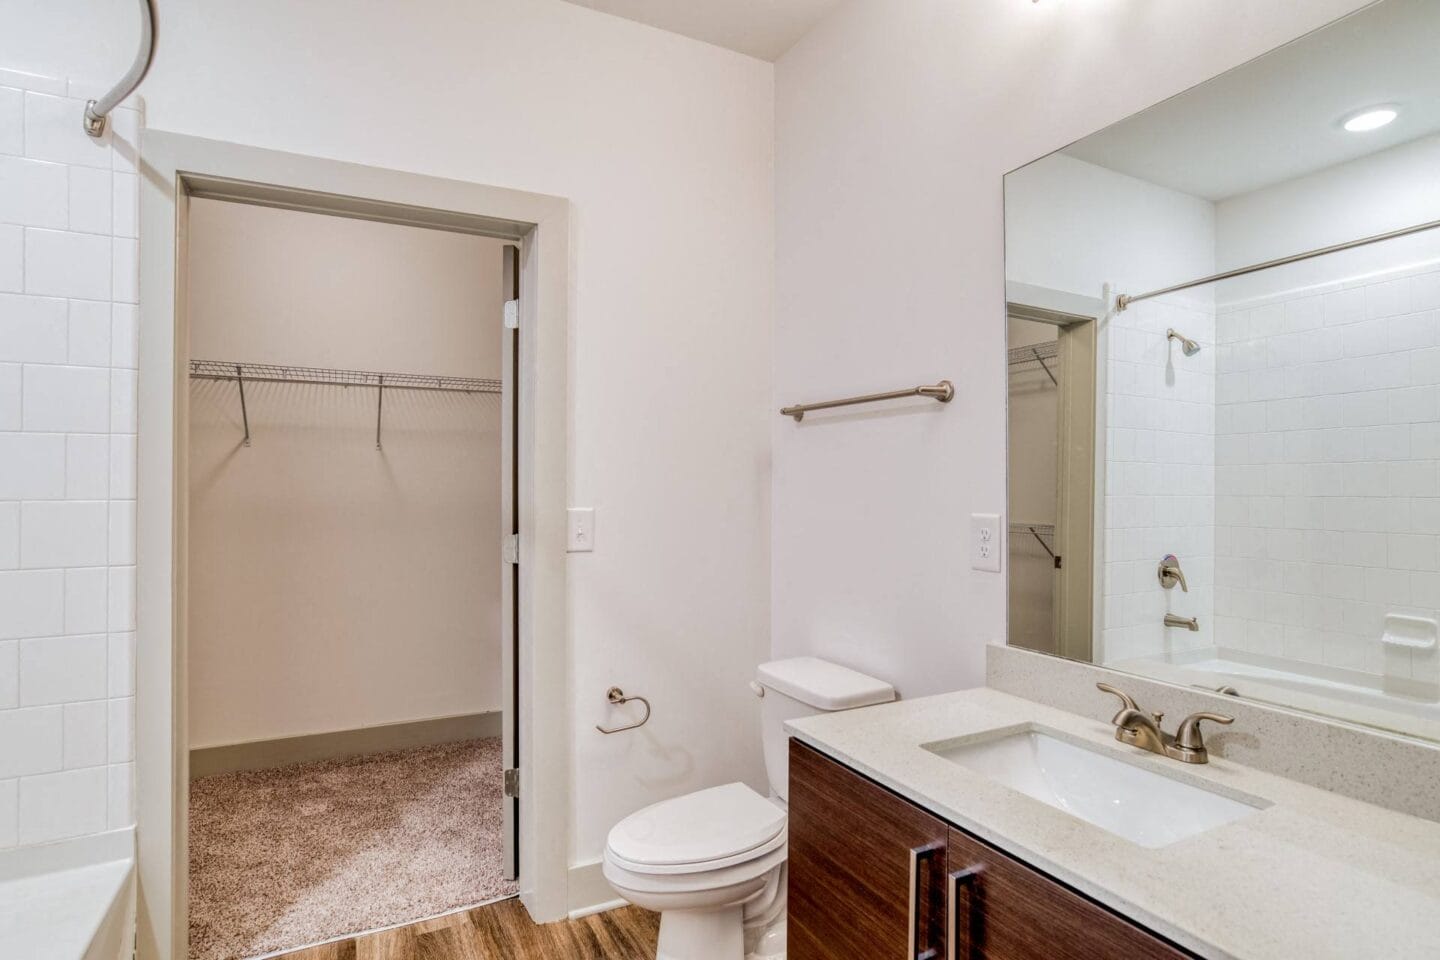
1372 118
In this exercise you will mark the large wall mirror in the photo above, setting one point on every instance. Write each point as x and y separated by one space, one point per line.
1224 354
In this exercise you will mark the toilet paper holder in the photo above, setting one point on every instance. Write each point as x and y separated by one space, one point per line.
617 697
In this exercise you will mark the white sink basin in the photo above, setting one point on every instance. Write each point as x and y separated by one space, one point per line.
1140 805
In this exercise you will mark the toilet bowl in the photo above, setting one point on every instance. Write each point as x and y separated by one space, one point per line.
712 862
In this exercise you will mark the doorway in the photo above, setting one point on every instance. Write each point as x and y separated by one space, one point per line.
1051 469
182 173
348 546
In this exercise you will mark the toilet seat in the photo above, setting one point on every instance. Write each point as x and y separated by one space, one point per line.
697 885
698 833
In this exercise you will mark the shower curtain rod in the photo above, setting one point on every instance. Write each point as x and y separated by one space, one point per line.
97 112
1123 301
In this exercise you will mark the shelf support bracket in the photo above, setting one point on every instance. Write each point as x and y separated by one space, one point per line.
1045 366
244 414
1045 546
379 409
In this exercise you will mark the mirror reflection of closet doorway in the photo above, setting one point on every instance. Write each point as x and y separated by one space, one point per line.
351 495
1051 479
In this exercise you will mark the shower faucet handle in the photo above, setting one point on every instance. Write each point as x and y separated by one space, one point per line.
1170 573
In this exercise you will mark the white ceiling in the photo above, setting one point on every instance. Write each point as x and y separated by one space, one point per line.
761 28
1278 117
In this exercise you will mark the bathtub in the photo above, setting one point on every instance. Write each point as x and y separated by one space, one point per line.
1345 695
73 900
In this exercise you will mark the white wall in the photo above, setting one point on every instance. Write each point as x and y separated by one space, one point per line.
895 123
334 586
1385 191
664 146
1074 226
67 466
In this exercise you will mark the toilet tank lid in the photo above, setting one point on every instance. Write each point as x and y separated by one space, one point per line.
824 685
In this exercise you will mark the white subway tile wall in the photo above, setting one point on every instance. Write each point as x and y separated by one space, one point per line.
1328 472
1159 478
68 350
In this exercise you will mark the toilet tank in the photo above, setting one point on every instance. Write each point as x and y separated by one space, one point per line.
802 687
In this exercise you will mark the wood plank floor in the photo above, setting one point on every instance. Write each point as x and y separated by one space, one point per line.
503 931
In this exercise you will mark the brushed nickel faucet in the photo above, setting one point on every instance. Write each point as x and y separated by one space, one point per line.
1169 573
1143 730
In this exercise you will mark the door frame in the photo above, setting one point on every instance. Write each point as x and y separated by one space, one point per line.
1078 330
175 168
510 374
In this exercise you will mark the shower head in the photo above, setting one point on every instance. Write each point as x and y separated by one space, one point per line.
1187 346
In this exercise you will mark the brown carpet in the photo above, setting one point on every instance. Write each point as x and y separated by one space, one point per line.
287 857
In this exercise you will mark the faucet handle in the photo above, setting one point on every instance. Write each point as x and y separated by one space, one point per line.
1188 737
1170 573
1127 702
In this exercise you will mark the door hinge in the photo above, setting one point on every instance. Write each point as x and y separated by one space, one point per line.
510 550
512 782
512 314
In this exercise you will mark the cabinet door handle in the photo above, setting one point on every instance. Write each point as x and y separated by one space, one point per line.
919 855
966 879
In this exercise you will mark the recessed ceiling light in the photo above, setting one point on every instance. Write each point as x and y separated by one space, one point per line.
1372 119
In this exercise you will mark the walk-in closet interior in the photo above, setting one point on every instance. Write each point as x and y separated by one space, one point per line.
345 609
1034 367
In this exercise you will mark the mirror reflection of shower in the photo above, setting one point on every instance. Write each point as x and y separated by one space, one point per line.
1187 346
1268 376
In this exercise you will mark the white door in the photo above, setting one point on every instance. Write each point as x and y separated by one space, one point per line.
510 560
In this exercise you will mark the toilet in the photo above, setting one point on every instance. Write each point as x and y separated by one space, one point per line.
712 862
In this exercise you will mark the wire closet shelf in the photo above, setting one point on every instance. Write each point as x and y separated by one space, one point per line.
327 376
1034 352
1022 358
281 373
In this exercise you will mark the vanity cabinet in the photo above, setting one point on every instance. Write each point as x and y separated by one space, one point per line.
866 870
872 875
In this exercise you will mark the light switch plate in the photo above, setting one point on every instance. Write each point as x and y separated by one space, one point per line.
581 537
985 542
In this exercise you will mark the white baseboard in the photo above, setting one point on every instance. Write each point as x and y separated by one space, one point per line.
589 891
308 748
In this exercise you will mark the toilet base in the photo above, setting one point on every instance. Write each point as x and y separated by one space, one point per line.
702 934
769 944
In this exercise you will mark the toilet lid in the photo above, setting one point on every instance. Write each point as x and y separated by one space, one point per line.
706 825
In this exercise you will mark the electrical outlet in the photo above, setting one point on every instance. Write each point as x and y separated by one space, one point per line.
985 542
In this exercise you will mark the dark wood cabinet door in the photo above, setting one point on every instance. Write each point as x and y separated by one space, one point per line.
867 869
1005 910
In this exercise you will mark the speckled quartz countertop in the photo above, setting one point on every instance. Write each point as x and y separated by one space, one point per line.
1313 875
